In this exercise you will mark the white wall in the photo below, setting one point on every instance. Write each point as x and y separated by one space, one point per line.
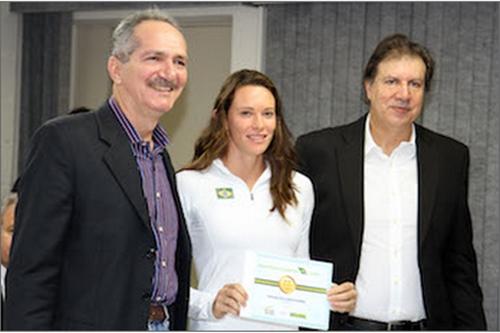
10 29
89 79
209 65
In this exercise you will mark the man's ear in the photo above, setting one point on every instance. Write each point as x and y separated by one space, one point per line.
114 69
368 85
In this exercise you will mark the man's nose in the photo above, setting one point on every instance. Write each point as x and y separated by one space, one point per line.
168 70
404 91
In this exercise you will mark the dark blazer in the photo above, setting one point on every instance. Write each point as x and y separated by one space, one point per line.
81 255
333 159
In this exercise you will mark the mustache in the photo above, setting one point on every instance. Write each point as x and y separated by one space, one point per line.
160 82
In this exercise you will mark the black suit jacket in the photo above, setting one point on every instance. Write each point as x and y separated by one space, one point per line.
333 158
81 256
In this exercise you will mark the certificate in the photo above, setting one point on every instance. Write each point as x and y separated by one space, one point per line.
287 290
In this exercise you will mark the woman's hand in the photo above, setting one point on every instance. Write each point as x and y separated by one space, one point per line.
229 300
342 297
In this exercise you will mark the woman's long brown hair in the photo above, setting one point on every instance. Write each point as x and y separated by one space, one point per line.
280 154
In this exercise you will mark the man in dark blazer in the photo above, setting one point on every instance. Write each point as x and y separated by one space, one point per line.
391 205
100 241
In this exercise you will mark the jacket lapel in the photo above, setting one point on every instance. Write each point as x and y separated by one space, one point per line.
427 181
121 162
350 163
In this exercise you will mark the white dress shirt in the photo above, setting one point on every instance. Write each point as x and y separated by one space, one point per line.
388 281
4 272
225 218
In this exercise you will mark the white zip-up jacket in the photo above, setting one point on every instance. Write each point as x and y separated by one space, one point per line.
225 218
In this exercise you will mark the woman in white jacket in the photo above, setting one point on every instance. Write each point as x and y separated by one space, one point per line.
239 193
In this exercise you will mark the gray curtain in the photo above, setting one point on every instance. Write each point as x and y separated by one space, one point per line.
44 73
316 52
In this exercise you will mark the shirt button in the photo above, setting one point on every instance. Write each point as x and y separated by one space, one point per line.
158 298
158 195
151 253
160 229
163 263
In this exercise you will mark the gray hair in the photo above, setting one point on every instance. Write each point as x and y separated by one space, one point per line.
9 200
124 44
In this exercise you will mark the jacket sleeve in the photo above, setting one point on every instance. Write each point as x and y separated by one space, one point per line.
42 219
461 265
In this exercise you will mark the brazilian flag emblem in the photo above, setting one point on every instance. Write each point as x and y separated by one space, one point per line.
224 193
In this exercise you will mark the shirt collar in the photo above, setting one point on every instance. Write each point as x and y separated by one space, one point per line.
406 148
160 137
219 165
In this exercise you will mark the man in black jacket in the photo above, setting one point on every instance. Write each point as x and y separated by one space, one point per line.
391 205
100 240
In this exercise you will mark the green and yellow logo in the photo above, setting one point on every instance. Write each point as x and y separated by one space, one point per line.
224 193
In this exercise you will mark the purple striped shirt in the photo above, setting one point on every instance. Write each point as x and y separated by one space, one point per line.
161 205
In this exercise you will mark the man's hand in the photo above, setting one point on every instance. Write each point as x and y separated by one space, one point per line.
342 297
